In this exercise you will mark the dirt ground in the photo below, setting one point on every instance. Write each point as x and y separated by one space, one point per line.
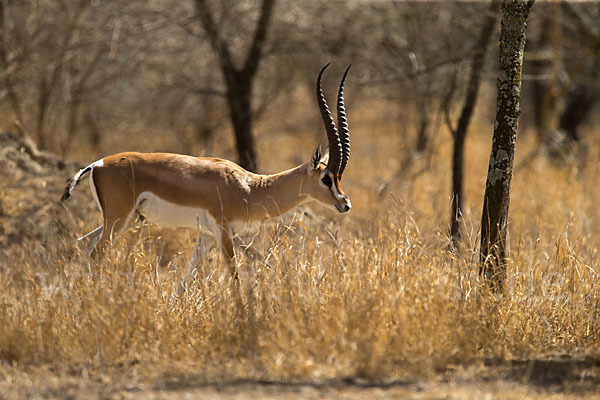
549 379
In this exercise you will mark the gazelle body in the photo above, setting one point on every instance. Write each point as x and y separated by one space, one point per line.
176 190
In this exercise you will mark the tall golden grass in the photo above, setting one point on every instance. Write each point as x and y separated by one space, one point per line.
376 294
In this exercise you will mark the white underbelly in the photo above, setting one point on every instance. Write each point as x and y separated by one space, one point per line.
167 214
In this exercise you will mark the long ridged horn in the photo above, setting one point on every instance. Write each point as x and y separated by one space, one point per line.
343 124
335 145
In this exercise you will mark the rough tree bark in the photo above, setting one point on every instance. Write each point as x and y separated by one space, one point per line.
239 80
494 217
460 133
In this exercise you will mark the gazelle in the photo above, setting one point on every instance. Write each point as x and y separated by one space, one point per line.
176 190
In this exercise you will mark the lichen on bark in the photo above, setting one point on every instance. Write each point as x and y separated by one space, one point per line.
494 219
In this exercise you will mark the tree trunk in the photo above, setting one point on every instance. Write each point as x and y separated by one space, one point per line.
581 96
543 94
460 133
9 80
580 100
240 106
91 121
239 80
458 164
423 132
494 217
74 106
43 100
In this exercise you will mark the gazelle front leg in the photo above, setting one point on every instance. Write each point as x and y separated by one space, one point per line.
225 242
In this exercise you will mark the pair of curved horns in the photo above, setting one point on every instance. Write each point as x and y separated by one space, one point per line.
339 143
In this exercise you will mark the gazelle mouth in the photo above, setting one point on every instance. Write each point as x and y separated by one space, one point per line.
342 208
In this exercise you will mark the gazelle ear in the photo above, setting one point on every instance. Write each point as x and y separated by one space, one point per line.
315 159
325 157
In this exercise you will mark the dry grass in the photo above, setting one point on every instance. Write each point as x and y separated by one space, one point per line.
372 298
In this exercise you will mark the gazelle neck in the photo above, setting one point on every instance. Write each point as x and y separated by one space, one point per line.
275 194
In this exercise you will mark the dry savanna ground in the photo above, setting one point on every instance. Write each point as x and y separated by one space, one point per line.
368 305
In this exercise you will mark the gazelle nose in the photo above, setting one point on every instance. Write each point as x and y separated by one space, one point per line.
347 207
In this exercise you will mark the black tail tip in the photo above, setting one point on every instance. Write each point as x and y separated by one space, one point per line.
65 195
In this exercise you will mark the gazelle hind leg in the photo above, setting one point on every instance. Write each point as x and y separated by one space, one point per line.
198 253
112 227
222 233
117 205
94 235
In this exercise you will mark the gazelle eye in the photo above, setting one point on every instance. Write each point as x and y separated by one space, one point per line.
326 179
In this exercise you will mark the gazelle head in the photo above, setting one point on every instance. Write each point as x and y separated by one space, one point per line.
326 170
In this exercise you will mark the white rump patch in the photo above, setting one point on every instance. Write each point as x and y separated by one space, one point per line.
98 163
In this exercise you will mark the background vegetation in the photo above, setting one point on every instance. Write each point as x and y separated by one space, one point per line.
378 297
